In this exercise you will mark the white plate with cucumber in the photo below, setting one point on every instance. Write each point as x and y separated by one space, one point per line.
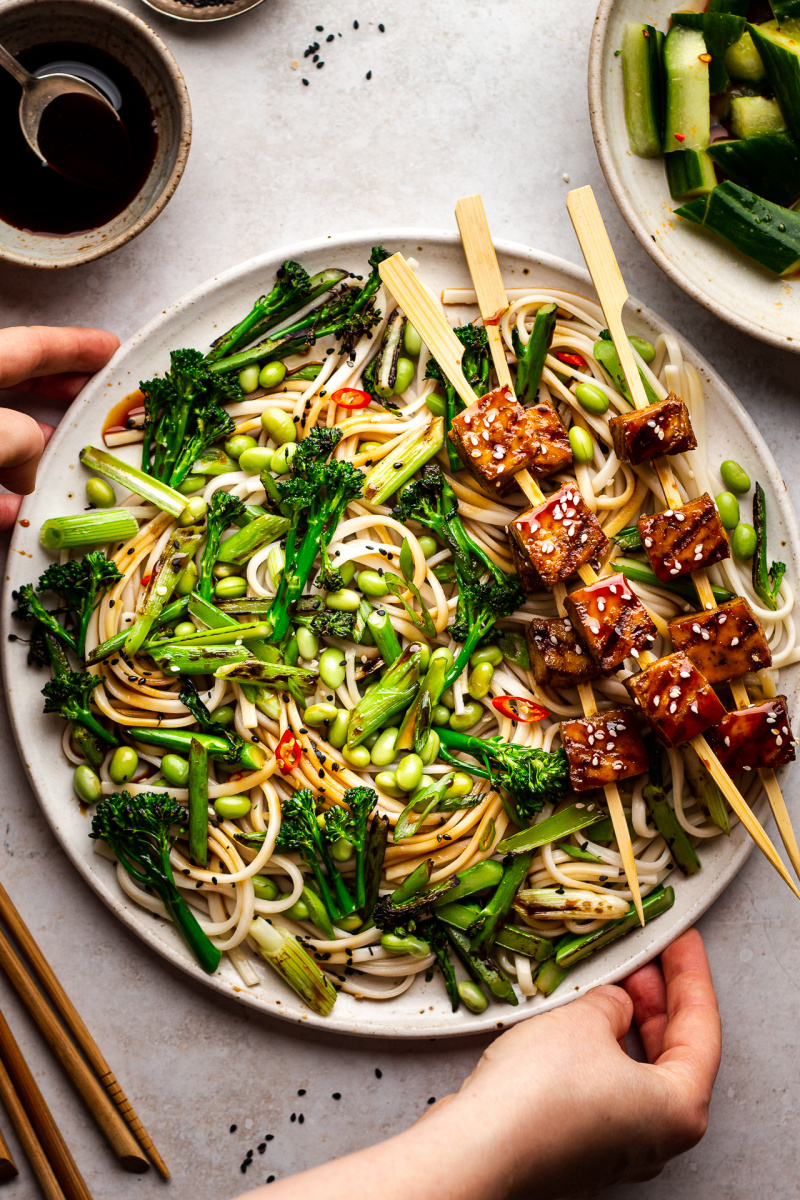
717 84
194 321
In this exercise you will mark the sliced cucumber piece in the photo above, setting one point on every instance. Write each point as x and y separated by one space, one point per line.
743 62
768 165
785 10
719 30
690 173
739 7
643 75
779 50
688 113
754 115
763 231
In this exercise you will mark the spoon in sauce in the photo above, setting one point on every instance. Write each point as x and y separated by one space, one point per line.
72 127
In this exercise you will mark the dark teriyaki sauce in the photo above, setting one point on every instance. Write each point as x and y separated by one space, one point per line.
39 199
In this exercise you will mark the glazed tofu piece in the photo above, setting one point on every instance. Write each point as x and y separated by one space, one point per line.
724 643
679 541
755 737
611 621
603 749
558 658
675 699
529 578
663 428
496 436
559 536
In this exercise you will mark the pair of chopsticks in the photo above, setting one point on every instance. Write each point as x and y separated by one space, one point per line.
82 1061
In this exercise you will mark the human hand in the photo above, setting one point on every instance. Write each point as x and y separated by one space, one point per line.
54 363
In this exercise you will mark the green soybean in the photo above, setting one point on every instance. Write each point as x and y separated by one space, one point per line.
734 477
440 714
428 545
443 654
386 782
409 772
248 379
728 509
369 447
436 404
591 398
345 600
646 350
582 445
264 887
430 750
424 656
282 457
192 484
371 738
460 786
184 629
473 997
337 730
279 425
744 540
232 588
307 643
393 944
372 584
187 580
297 911
222 570
100 493
318 714
272 375
471 715
382 753
224 715
175 769
347 571
231 808
357 756
342 850
239 443
256 459
195 511
87 785
123 763
447 698
479 680
489 654
332 667
412 342
350 923
405 373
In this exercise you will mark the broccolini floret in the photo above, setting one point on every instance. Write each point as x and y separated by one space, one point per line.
69 694
301 831
80 583
312 614
223 509
352 823
532 776
30 608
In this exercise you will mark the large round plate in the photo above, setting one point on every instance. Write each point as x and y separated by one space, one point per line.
708 270
194 321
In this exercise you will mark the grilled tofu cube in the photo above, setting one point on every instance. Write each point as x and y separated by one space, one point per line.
529 578
755 737
557 657
675 699
603 749
559 536
680 540
496 436
724 643
663 428
611 621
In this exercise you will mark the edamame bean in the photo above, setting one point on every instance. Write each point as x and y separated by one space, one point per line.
345 600
282 457
372 584
192 484
386 782
184 629
264 887
297 911
728 509
428 545
100 493
222 570
175 769
430 748
332 667
279 425
405 373
393 944
195 511
224 715
441 652
440 715
187 580
489 654
409 772
734 477
307 643
461 786
350 924
342 850
357 756
424 657
591 398
436 404
239 443
471 715
272 375
371 738
473 997
582 445
743 542
318 714
256 459
347 571
646 350
479 679
337 730
382 753
248 379
231 588
447 698
369 447
412 342
231 808
87 785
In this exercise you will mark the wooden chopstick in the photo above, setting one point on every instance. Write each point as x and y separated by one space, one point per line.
75 1025
34 1153
55 1149
8 1168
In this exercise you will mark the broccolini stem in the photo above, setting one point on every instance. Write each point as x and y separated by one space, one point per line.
89 529
476 634
198 802
201 946
136 481
368 883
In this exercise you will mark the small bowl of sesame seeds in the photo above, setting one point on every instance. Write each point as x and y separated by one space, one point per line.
202 10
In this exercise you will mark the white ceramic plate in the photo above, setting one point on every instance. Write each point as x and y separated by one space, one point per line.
708 270
424 1010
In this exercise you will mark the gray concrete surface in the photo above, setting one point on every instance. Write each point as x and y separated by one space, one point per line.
464 97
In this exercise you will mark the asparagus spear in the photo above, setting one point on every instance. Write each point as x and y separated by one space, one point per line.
573 949
198 803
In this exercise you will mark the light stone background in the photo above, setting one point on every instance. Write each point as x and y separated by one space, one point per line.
464 97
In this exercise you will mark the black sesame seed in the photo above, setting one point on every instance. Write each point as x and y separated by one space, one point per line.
233 1128
355 24
269 1137
382 28
300 1119
336 1096
293 1117
270 1179
320 65
319 29
305 83
378 1073
329 38
431 1100
301 1091
369 74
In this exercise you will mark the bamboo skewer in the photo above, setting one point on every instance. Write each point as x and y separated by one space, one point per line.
51 1189
8 1168
48 1135
612 295
72 1019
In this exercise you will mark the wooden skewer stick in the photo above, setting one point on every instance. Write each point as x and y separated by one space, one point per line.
8 1168
72 1019
612 294
51 1189
56 1151
485 271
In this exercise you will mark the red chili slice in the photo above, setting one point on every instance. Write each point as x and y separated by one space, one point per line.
570 359
519 709
146 579
351 398
288 753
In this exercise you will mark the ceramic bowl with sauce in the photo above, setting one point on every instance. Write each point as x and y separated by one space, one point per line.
46 221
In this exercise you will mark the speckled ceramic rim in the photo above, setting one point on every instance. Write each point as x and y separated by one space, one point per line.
408 1017
185 12
631 214
145 34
